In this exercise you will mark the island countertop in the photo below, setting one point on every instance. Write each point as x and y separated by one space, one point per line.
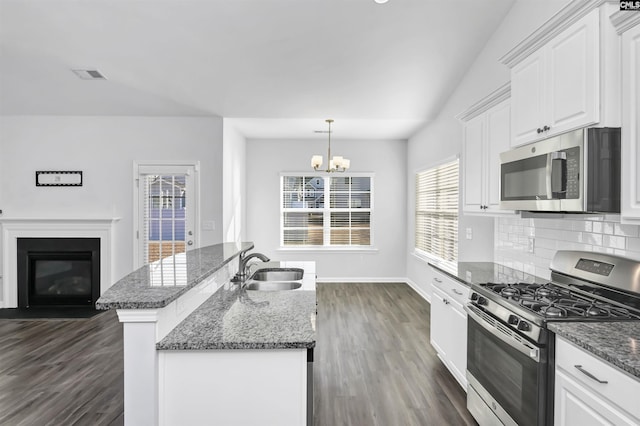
159 283
236 318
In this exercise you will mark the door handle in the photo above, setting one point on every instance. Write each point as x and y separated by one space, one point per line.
189 243
589 375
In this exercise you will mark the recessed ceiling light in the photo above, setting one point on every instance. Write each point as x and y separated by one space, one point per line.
89 74
381 1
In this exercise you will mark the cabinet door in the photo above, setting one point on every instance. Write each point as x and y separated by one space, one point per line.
472 159
458 352
573 83
527 98
498 140
439 323
631 125
575 404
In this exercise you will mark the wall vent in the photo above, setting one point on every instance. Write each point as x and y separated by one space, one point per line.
89 74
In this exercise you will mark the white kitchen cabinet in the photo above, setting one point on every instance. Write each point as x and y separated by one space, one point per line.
485 136
557 88
589 391
449 324
630 196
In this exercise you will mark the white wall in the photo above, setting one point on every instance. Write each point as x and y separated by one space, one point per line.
602 234
266 159
234 184
442 138
104 148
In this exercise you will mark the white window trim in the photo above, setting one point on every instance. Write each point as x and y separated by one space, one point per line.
330 248
167 166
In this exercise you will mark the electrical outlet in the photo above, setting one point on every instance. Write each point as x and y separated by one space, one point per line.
531 245
469 233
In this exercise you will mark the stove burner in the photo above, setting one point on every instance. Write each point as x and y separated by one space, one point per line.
546 291
553 311
594 311
509 292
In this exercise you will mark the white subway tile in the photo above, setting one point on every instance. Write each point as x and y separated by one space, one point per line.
597 227
626 230
633 244
615 242
594 239
607 228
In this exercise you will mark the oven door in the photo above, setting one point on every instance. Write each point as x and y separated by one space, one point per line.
507 373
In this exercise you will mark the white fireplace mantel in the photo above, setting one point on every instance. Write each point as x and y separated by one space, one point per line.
14 228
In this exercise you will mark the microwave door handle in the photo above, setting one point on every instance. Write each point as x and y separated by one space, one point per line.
558 174
548 175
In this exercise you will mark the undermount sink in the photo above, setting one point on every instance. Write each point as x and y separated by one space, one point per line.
273 285
278 274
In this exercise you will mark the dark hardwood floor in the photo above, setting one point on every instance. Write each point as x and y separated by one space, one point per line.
61 372
374 365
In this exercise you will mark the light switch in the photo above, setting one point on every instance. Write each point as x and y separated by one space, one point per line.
469 234
531 244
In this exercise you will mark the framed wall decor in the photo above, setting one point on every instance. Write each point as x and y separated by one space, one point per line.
58 178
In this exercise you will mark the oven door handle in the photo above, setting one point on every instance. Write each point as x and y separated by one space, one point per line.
528 350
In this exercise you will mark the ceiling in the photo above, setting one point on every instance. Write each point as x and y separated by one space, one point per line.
277 67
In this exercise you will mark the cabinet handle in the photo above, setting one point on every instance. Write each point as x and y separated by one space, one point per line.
458 292
589 375
438 280
546 128
539 130
446 302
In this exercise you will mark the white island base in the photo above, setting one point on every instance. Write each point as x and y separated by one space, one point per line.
233 387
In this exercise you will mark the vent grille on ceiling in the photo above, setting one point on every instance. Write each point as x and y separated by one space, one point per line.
89 74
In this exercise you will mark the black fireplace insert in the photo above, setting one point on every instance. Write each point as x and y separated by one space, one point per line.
62 272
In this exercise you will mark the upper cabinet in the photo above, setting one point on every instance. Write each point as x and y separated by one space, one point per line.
486 134
628 25
559 75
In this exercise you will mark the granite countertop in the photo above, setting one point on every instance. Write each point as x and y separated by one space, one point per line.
159 283
469 273
615 342
241 319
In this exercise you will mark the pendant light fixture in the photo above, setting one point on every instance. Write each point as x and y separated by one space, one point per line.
337 163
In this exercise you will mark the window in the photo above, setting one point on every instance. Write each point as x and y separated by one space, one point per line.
308 220
437 213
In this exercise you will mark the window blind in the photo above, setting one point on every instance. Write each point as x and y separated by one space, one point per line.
307 219
436 227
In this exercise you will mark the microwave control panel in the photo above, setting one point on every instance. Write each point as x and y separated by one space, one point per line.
573 173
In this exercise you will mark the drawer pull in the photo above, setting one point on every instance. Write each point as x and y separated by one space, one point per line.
589 375
438 280
458 292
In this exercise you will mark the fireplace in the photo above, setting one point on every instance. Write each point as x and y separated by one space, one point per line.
60 272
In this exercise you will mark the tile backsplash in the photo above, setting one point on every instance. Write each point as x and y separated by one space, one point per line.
528 245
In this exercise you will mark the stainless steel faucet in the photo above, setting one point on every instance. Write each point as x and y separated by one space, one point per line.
241 276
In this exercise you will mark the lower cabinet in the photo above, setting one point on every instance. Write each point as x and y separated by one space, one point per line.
588 391
449 324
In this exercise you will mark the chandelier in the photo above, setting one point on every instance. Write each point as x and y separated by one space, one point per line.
337 163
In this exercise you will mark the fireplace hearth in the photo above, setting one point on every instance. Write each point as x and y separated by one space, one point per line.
58 272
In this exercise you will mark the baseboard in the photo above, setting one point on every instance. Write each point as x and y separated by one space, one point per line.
419 290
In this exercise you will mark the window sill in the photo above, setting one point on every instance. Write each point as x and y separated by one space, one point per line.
424 257
328 249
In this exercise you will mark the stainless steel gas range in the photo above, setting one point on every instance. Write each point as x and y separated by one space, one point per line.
510 351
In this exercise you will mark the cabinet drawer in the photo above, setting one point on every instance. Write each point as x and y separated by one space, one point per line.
621 389
452 288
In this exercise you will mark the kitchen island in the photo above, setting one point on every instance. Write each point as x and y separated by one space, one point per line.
197 347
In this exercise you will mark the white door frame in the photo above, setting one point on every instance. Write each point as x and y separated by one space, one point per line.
167 166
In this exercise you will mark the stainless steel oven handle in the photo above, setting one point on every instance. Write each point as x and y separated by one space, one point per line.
530 351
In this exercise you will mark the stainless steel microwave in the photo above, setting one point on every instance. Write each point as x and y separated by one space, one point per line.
577 171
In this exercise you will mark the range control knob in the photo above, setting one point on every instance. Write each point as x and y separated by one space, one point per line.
474 296
513 320
481 300
524 326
